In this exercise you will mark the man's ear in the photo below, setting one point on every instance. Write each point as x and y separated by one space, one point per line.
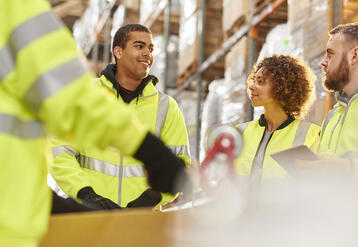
355 55
117 51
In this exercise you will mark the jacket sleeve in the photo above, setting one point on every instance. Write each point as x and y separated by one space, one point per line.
175 136
313 137
44 71
174 133
66 170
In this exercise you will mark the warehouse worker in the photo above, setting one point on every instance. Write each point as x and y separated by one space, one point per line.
284 86
45 88
121 179
338 144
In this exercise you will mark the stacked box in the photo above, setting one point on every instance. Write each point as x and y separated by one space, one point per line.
235 60
189 39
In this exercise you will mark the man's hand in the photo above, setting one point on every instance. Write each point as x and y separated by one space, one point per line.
90 199
148 198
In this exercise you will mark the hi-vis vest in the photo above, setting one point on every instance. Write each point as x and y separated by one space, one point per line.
42 81
298 132
122 178
339 137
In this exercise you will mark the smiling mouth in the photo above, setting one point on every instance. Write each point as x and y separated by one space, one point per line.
145 63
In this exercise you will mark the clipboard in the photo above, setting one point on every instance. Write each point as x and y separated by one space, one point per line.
286 158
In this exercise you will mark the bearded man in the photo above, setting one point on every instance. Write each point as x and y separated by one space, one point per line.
338 145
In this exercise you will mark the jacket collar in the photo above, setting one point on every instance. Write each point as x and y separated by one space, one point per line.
343 99
263 123
145 89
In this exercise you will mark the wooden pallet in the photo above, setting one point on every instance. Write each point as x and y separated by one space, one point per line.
216 71
259 5
190 70
236 26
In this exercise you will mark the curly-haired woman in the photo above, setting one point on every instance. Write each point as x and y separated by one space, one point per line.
284 86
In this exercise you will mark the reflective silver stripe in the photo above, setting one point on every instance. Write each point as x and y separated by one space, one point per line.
301 133
120 182
53 81
328 118
133 171
163 106
33 29
180 150
6 61
23 35
23 129
111 169
64 149
242 127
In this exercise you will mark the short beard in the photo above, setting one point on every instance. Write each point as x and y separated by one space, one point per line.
338 79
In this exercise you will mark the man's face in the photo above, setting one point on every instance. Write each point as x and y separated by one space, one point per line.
335 64
136 58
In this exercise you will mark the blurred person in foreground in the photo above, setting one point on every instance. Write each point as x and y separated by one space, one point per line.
120 180
44 88
338 146
284 86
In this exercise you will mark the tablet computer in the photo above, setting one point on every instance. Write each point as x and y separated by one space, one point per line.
286 158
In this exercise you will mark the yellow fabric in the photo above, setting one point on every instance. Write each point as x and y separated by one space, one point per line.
280 140
339 137
25 196
68 111
71 177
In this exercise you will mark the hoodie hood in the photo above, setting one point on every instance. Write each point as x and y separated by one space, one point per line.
110 73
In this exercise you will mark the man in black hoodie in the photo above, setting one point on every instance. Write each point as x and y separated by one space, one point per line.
119 179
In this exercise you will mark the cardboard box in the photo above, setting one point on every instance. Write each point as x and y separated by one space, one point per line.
234 10
133 227
298 11
189 42
315 36
237 54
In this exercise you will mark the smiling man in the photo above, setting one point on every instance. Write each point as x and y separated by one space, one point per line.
100 178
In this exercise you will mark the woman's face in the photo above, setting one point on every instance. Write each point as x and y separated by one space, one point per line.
260 91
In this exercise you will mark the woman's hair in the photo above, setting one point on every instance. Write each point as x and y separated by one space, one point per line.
293 83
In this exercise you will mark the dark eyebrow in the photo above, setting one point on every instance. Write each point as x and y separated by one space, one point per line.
330 51
142 42
138 42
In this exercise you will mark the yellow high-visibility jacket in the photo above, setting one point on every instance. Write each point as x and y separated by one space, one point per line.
112 175
292 132
42 81
339 137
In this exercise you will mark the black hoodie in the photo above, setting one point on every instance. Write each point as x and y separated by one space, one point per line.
110 73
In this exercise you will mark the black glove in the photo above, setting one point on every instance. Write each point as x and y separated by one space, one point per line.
90 199
166 172
66 205
148 198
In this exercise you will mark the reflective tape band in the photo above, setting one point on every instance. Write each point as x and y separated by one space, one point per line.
61 150
111 169
23 35
12 125
328 118
301 133
163 106
33 29
180 150
6 61
53 81
242 127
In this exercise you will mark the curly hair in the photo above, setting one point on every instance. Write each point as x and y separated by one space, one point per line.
293 83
